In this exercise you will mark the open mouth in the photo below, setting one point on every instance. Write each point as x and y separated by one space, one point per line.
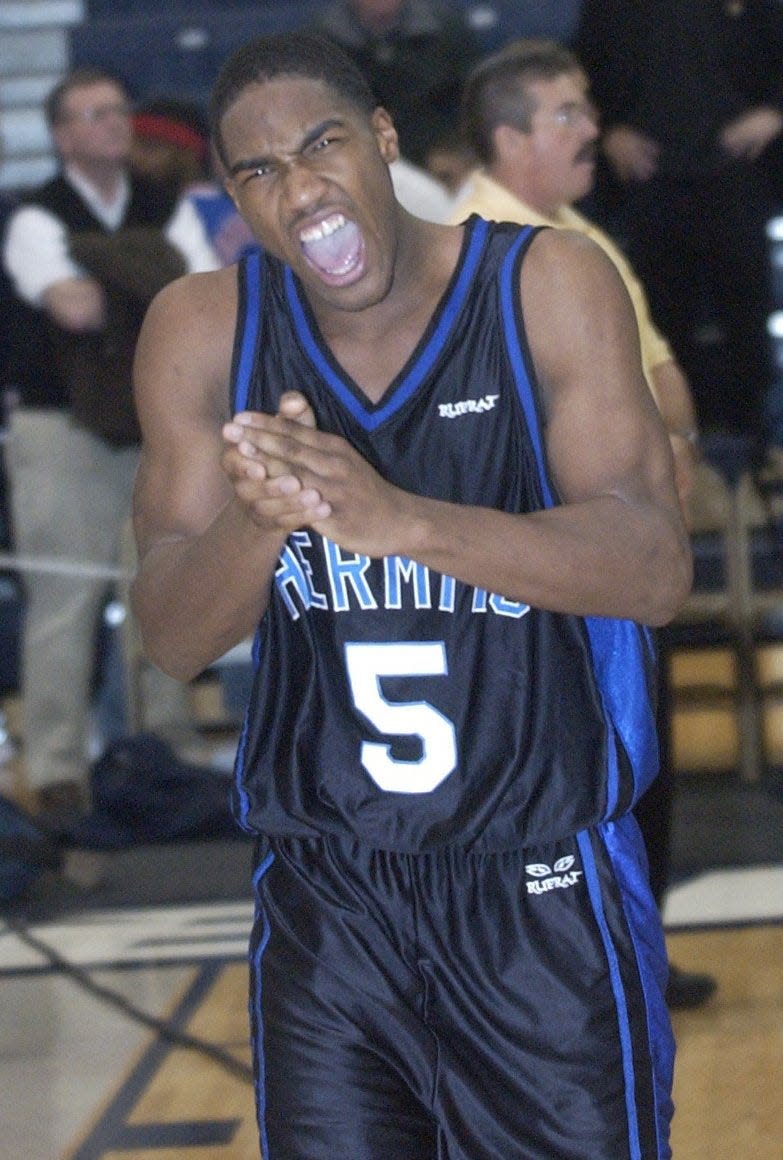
333 247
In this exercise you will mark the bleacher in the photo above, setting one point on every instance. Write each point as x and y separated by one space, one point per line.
180 50
175 50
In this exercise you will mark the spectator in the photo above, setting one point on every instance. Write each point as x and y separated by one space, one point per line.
85 254
225 230
690 96
530 123
450 160
171 149
169 146
415 54
529 119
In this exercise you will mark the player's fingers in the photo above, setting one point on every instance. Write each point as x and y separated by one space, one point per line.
294 405
238 466
285 511
281 437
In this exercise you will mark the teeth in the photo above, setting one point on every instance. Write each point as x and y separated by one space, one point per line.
323 229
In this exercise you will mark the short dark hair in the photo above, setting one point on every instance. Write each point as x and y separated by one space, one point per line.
495 91
297 54
78 78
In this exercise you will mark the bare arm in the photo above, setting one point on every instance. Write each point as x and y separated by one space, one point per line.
615 547
204 565
748 135
679 418
632 155
76 304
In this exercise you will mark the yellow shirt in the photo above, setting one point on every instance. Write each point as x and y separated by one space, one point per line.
490 200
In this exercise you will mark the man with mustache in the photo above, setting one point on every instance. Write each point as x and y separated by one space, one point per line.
528 118
448 557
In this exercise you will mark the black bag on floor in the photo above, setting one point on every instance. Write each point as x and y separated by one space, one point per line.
26 851
143 793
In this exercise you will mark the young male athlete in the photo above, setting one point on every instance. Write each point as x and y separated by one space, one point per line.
422 464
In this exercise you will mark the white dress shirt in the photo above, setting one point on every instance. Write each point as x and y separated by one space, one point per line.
36 254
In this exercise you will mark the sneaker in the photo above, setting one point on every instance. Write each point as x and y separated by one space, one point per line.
688 989
59 806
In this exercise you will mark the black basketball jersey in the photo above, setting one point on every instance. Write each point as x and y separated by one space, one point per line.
395 704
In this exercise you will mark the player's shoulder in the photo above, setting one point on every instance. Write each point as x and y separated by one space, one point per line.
188 331
195 308
566 244
568 261
194 292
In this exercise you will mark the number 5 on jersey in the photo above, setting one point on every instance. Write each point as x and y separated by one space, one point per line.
367 664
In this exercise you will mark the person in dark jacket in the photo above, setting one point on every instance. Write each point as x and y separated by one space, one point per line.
691 98
415 55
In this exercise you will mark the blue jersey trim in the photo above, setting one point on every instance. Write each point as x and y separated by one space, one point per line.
251 323
371 419
508 309
617 647
258 955
242 798
625 846
615 978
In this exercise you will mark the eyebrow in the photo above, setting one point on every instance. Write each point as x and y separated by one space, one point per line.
309 138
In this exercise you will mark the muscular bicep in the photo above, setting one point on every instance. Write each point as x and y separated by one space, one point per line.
181 376
603 432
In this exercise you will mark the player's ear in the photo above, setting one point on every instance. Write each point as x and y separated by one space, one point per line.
385 135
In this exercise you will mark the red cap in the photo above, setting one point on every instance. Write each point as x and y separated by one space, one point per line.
156 127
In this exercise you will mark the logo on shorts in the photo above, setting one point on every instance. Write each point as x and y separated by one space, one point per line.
544 878
467 407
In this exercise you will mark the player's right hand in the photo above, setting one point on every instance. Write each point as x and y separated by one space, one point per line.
270 490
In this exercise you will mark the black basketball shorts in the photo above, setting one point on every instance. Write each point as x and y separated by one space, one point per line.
459 1005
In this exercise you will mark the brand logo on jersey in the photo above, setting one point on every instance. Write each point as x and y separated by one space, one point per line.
558 877
467 407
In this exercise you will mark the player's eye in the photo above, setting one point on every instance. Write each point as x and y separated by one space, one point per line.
323 142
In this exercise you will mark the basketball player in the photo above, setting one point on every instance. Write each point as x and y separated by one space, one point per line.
378 447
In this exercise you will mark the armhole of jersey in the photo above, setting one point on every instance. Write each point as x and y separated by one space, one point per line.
519 352
249 276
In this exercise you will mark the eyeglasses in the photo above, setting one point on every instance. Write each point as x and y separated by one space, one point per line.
570 115
98 113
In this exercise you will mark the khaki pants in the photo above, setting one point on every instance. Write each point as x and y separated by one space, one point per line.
70 497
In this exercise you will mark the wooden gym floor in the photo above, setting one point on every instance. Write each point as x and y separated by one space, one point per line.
143 1098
